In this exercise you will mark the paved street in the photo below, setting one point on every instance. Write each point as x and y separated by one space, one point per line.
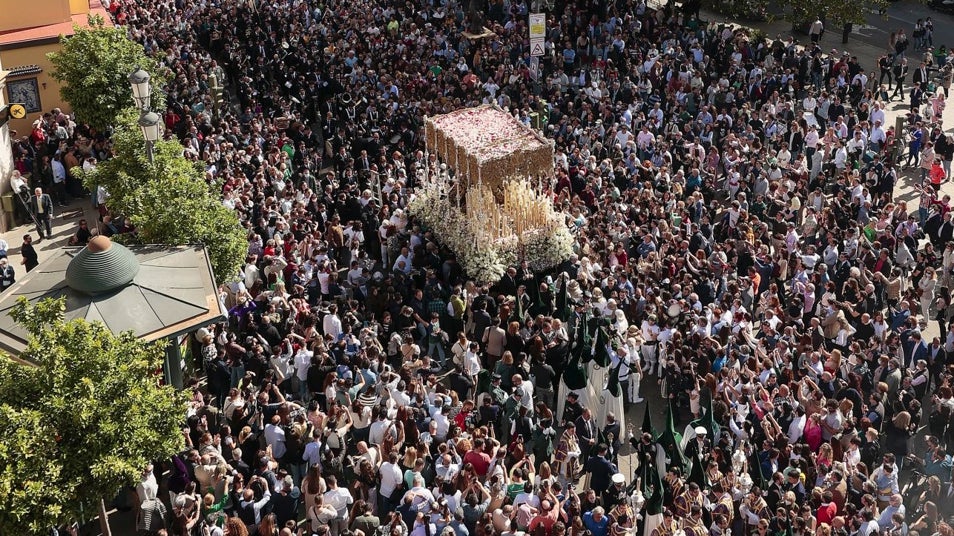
902 15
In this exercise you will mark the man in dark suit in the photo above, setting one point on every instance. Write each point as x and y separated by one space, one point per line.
601 470
7 275
920 75
945 232
612 433
508 283
699 448
916 95
42 206
900 72
586 433
913 347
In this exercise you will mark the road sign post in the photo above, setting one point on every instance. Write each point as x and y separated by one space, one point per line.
538 32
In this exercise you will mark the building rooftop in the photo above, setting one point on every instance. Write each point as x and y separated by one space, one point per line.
154 291
51 31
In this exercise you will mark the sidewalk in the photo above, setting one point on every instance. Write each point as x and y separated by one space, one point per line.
65 222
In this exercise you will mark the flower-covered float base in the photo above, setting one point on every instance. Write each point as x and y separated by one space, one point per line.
487 236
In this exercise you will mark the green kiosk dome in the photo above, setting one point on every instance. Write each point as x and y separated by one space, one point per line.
101 267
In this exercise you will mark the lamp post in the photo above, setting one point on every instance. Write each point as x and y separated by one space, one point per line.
149 121
142 91
151 125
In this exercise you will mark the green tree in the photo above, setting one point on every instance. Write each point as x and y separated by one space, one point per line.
836 12
82 422
169 200
93 68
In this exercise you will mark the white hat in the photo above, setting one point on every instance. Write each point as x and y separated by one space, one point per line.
701 431
618 478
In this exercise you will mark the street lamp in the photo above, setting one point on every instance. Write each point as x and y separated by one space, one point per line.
149 121
142 91
151 125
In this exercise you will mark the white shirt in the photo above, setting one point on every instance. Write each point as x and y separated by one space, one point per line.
377 430
796 428
312 454
419 496
390 478
148 489
852 458
447 472
331 325
443 425
340 498
650 331
275 438
811 139
471 364
841 157
302 363
527 399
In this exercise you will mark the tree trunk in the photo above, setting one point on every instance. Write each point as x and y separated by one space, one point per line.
845 32
104 519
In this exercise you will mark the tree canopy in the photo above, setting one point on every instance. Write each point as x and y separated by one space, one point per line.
93 68
838 12
83 422
169 201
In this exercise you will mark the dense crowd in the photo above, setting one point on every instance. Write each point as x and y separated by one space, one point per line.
737 243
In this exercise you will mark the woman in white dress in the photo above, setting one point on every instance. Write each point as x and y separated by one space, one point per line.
927 285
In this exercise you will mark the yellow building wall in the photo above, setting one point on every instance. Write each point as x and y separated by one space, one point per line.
78 7
49 96
39 13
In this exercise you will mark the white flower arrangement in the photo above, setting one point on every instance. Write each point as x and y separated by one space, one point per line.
487 260
545 248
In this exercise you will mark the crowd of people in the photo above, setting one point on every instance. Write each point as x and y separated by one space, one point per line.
737 245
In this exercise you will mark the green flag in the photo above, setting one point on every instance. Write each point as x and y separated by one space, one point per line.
707 421
671 442
612 383
584 341
653 492
519 314
576 328
755 469
601 348
697 475
563 301
648 423
575 376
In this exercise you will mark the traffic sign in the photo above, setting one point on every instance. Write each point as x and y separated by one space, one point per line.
534 67
536 46
538 25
